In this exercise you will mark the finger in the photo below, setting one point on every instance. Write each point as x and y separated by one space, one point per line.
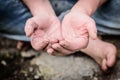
48 46
92 30
83 32
111 59
30 27
39 43
53 41
50 51
57 47
76 44
65 44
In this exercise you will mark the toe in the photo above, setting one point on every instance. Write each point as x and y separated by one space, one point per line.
104 65
111 57
19 45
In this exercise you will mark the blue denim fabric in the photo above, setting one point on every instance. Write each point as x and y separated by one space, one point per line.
13 15
61 6
107 18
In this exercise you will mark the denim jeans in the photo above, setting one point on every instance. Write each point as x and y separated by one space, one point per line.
13 15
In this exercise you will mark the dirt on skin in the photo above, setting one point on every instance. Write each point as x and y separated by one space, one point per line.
14 67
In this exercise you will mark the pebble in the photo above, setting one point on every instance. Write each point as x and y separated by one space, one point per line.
95 78
30 69
3 62
36 77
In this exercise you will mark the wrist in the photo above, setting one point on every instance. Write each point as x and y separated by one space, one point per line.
38 7
42 11
87 6
88 12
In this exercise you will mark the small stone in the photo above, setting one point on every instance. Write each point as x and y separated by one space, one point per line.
95 78
31 69
3 62
26 75
36 77
28 54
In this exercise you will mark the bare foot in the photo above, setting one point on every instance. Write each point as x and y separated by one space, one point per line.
103 53
21 45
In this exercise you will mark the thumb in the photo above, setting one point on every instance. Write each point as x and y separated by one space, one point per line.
30 27
92 30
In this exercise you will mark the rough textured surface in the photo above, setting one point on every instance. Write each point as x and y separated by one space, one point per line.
65 68
31 65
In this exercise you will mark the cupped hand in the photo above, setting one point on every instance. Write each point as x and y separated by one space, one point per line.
76 30
43 30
